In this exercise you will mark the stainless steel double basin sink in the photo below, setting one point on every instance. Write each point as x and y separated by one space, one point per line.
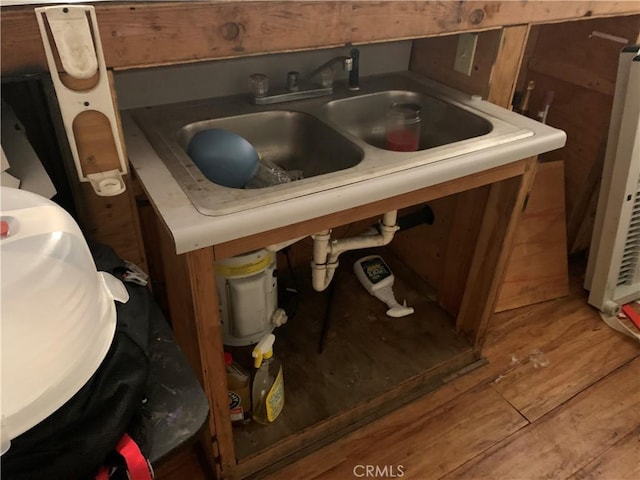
334 140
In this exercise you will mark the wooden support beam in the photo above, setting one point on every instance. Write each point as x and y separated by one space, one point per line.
493 249
162 33
193 306
508 60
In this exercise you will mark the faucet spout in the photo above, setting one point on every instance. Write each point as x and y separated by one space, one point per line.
347 65
354 74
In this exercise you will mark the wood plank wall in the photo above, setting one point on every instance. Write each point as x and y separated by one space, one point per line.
163 33
538 268
434 58
580 67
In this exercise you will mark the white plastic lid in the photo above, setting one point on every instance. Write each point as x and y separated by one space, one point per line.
57 313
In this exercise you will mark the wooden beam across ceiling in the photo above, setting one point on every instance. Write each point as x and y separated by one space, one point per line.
139 34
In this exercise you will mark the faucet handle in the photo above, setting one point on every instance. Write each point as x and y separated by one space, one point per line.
259 84
348 64
293 81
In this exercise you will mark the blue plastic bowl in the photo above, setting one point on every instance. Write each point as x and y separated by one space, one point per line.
223 157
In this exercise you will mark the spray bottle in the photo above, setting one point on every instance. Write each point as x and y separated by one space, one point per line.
376 277
268 383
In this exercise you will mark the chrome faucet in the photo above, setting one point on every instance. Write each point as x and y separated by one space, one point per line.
350 64
295 87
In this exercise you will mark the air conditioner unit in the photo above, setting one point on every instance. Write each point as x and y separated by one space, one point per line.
613 270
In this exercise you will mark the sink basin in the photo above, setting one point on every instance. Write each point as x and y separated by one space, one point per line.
441 124
335 141
291 140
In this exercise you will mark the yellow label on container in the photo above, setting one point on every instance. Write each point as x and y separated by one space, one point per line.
275 398
244 268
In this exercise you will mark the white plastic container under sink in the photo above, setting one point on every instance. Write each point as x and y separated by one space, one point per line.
58 314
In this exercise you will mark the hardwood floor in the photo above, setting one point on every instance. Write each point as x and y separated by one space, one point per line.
559 398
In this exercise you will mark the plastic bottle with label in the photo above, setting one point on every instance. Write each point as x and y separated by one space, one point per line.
238 382
268 382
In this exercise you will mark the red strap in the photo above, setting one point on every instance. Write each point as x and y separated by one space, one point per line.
631 314
136 463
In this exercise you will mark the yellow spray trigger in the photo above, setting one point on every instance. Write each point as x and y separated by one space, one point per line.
263 350
257 358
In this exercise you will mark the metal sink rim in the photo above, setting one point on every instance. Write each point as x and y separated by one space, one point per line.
160 125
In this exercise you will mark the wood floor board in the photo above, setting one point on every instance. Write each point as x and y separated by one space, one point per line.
519 331
620 462
434 435
551 372
567 439
514 335
183 464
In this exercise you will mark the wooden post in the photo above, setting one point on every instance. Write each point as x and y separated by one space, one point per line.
504 75
498 59
499 222
193 305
